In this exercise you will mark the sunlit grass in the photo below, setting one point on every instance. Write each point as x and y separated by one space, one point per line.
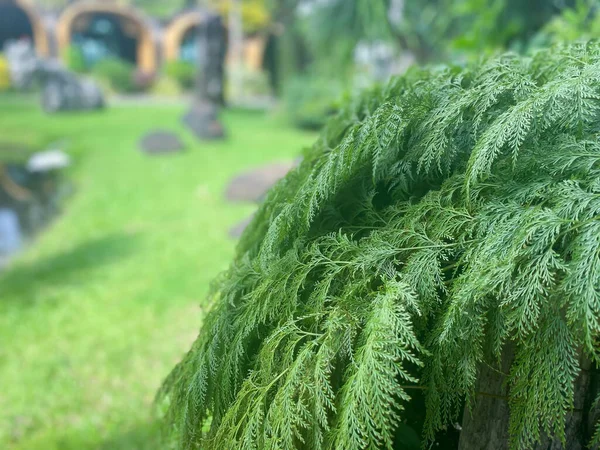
96 312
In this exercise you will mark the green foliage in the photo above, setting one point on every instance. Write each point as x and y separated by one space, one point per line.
437 221
431 30
166 87
117 73
484 24
255 13
183 72
4 74
312 100
335 27
160 8
75 60
581 22
250 84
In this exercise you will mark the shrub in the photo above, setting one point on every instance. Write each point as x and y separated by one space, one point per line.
142 80
579 22
255 13
183 72
4 74
119 74
252 83
312 100
442 225
75 60
166 86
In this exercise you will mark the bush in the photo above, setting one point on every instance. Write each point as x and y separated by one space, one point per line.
166 87
117 73
253 83
255 13
312 100
4 74
75 60
440 239
184 73
142 80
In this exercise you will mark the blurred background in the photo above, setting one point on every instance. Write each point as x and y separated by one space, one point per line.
138 137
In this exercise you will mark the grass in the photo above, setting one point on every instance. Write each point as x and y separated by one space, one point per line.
99 308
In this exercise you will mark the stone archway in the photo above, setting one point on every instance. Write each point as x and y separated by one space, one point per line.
129 32
181 28
19 19
177 31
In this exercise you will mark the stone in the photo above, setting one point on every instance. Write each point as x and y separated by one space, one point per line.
47 161
62 90
252 186
203 121
160 142
22 63
236 231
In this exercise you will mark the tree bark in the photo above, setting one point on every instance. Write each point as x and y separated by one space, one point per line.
576 437
485 424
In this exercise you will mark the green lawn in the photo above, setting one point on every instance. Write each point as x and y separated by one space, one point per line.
99 308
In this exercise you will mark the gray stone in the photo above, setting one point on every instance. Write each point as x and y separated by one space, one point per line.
47 161
202 120
159 142
22 63
253 185
62 90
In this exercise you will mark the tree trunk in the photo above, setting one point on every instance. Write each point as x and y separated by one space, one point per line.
575 432
485 424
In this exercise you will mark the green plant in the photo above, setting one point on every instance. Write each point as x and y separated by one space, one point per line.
183 72
250 83
75 60
118 73
581 22
440 225
255 13
311 100
4 74
143 80
166 86
432 30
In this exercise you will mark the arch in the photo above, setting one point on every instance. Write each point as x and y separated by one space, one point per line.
36 24
176 31
252 51
146 58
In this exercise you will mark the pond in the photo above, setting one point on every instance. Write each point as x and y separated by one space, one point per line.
32 186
